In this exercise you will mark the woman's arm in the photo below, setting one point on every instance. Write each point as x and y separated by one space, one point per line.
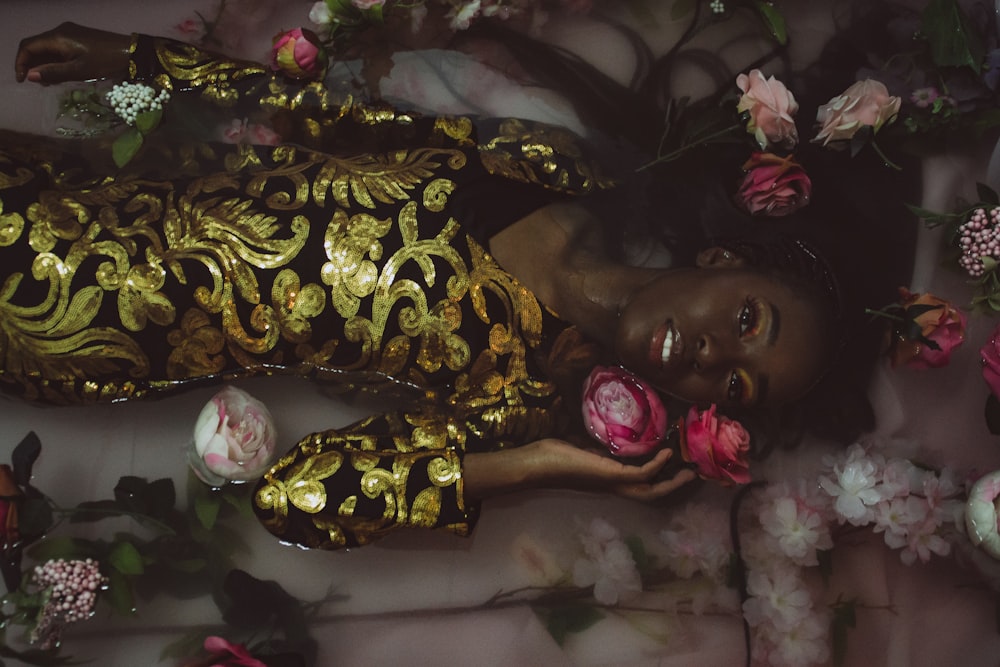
72 52
553 463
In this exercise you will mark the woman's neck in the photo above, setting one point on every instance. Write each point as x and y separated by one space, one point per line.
557 252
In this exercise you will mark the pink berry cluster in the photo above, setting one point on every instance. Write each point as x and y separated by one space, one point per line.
979 237
72 587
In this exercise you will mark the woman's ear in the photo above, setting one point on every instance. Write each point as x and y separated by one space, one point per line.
718 258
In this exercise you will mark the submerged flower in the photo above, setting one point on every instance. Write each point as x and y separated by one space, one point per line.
608 566
773 186
924 97
931 329
799 530
234 438
853 484
298 54
770 107
865 103
719 447
623 412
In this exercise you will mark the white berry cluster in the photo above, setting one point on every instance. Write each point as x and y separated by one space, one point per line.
979 237
717 7
128 100
72 587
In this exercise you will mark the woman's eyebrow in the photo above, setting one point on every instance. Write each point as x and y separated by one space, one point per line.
775 322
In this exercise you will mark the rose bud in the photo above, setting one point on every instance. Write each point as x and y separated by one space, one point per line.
299 54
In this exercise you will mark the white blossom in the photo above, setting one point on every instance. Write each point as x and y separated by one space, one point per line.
854 486
320 14
778 598
608 566
697 540
799 531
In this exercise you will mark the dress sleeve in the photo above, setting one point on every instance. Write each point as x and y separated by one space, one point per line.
348 487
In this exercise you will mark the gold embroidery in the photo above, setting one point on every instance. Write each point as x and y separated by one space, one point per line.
196 345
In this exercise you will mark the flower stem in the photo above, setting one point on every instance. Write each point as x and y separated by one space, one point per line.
885 159
674 154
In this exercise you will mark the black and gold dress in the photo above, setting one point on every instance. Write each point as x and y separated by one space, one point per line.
352 252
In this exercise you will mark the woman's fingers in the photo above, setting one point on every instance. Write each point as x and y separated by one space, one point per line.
647 492
71 53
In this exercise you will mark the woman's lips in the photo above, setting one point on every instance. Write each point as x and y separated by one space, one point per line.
666 345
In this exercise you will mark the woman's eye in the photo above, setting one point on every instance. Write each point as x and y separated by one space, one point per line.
739 389
748 317
735 390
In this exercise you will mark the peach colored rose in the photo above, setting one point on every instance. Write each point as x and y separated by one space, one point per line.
623 412
771 107
940 324
234 438
298 53
719 447
990 356
865 103
773 186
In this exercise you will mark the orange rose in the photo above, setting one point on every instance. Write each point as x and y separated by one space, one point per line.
931 329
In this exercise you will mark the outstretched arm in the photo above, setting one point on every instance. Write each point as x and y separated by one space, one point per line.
72 52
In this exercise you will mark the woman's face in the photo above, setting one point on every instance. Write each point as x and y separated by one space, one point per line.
722 334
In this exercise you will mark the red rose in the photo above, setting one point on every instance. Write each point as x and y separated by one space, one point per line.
937 327
719 447
623 412
990 356
774 186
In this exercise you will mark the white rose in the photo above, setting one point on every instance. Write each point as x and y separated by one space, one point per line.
234 438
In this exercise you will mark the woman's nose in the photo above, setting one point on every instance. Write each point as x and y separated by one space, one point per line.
709 353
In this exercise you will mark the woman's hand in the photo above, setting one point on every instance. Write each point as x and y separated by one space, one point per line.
553 463
72 52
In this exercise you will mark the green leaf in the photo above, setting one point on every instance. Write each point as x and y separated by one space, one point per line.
63 547
125 558
773 21
682 8
119 594
35 517
147 121
206 508
639 554
23 458
989 264
126 146
987 195
951 41
563 621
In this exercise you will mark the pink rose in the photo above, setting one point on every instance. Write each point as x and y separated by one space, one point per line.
240 131
771 107
719 447
227 654
299 54
935 323
865 103
990 356
774 186
234 438
623 412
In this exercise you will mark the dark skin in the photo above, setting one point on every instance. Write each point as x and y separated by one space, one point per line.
556 253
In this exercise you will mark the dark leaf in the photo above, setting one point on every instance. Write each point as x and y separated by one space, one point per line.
160 497
63 547
860 139
147 121
35 517
987 195
639 554
564 621
992 412
23 458
95 510
915 311
951 41
130 493
119 594
253 603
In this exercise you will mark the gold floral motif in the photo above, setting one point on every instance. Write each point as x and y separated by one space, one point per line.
197 347
426 508
383 178
296 304
349 274
184 63
55 217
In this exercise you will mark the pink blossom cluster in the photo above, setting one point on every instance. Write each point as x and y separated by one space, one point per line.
72 593
979 238
793 522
